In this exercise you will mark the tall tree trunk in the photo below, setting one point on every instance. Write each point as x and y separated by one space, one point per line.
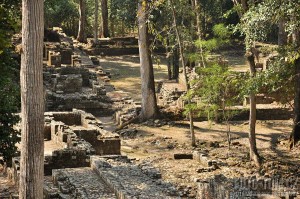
192 132
175 69
169 56
252 117
198 19
295 135
32 100
282 35
149 105
104 10
96 21
81 37
199 30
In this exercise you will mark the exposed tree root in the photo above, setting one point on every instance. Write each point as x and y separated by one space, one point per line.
133 120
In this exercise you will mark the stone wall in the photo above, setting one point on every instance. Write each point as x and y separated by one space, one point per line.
75 87
80 134
68 118
66 158
84 72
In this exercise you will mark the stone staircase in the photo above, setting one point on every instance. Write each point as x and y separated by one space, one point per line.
108 177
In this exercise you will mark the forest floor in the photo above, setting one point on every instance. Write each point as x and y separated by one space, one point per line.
158 145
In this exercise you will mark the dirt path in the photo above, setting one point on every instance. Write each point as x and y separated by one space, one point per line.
125 72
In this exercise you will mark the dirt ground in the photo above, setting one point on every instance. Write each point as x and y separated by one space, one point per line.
157 145
125 72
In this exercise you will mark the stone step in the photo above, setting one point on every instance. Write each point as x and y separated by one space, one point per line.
129 180
77 183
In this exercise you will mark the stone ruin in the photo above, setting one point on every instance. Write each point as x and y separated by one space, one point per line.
73 87
74 80
82 160
75 136
170 95
108 177
88 164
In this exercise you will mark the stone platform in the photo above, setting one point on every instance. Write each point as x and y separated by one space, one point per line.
109 177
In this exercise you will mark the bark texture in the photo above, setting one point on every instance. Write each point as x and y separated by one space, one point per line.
32 111
81 37
149 105
96 21
295 135
252 117
198 18
104 10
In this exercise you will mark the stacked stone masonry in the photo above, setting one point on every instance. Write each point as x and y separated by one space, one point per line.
70 87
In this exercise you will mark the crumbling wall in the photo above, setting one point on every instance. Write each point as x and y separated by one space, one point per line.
66 158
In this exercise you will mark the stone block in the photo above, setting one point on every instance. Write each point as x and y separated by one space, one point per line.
178 156
76 60
95 60
109 146
66 56
47 132
54 59
73 83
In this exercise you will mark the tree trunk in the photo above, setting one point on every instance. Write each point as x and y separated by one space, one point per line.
169 56
32 100
244 5
199 31
81 37
96 21
175 69
149 105
252 117
192 132
282 35
198 19
295 135
104 10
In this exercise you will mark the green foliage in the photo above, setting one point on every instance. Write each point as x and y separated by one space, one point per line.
220 31
7 27
9 91
221 37
213 11
9 105
124 11
218 89
62 13
255 24
279 80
